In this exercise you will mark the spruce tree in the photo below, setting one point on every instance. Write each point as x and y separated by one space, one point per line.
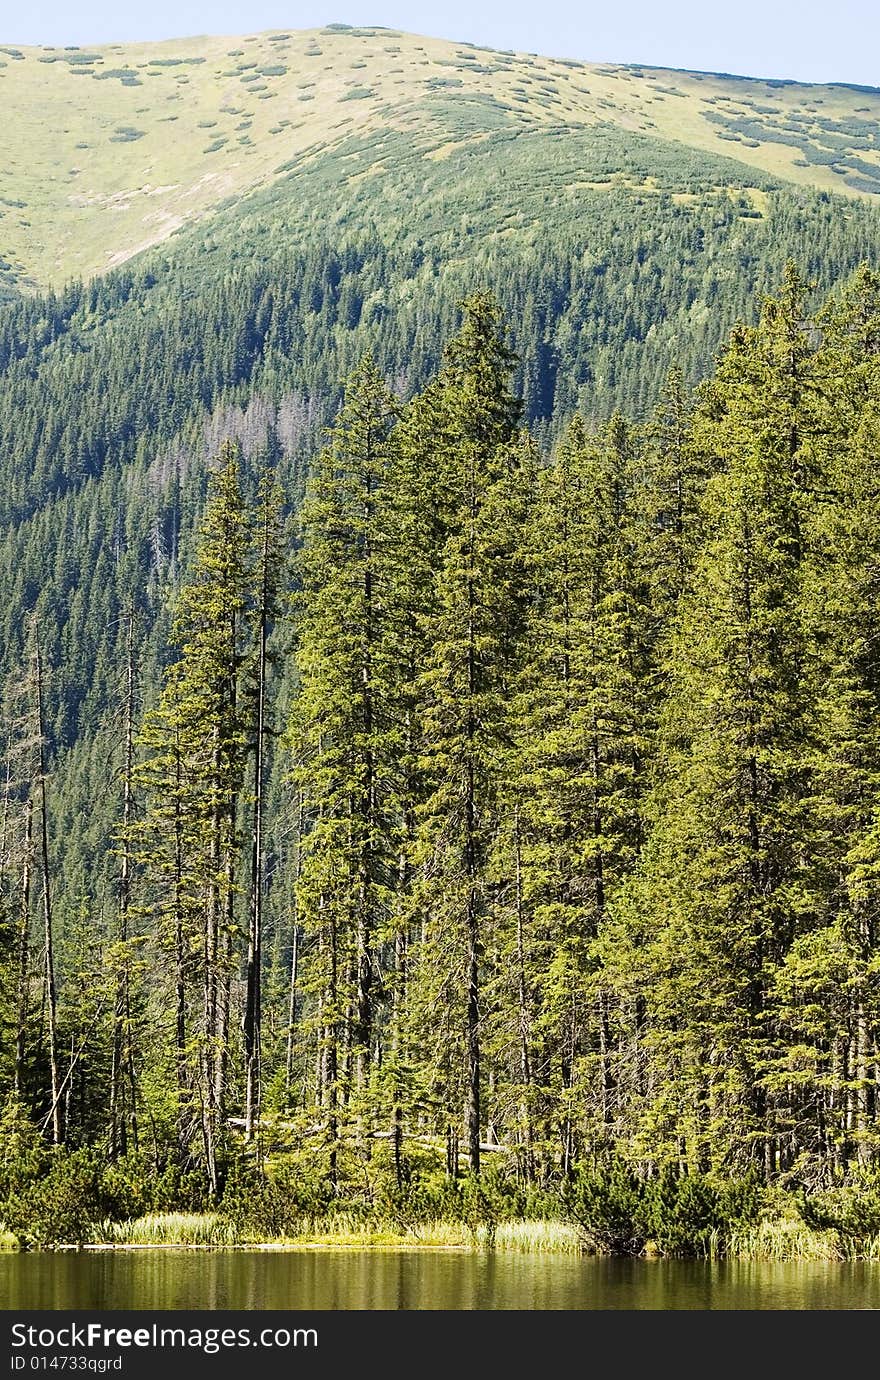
585 711
723 889
268 564
478 604
346 734
193 746
827 989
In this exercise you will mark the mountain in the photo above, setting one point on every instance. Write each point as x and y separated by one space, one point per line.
580 726
200 239
113 149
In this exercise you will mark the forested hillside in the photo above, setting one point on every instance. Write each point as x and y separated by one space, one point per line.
540 825
114 394
437 648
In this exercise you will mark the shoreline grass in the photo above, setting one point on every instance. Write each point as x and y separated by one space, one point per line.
168 1229
773 1239
776 1240
212 1231
788 1240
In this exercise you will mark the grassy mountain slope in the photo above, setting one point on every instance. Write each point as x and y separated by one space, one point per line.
106 152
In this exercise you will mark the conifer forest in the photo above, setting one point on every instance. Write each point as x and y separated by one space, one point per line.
440 716
514 806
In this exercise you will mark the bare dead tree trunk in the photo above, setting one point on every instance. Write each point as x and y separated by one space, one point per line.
48 936
294 953
122 1067
525 1061
253 1007
24 946
291 1007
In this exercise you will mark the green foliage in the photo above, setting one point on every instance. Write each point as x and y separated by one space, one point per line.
689 1214
481 1202
604 1201
63 1205
346 733
131 1187
852 1210
192 772
24 1155
263 1207
570 846
620 1213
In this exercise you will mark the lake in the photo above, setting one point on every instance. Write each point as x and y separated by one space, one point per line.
421 1280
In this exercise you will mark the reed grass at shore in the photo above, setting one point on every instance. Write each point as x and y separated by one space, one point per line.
771 1239
211 1229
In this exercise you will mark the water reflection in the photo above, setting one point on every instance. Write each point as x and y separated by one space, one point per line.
422 1280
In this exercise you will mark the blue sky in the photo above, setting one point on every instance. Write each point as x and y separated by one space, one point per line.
836 40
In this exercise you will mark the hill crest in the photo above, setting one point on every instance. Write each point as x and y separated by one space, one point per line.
107 151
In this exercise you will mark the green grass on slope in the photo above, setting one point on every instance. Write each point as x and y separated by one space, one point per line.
106 152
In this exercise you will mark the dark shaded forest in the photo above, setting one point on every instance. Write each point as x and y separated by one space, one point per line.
502 819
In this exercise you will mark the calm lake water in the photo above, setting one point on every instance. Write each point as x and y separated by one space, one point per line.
353 1279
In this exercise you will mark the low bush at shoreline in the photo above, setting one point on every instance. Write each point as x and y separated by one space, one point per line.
52 1198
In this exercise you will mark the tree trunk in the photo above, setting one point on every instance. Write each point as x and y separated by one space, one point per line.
294 953
48 935
472 1108
525 1061
253 1007
122 1067
183 1090
291 1007
367 822
330 1077
211 960
23 946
